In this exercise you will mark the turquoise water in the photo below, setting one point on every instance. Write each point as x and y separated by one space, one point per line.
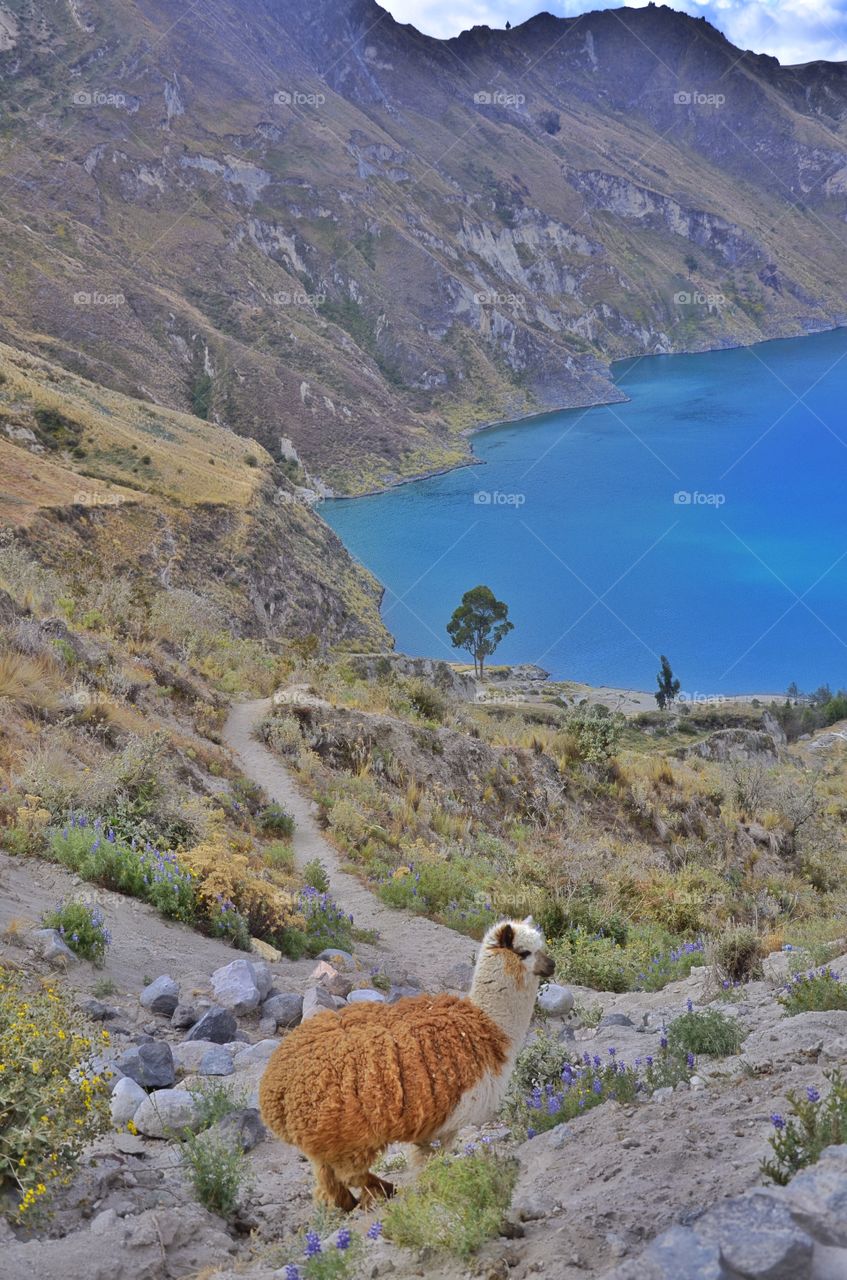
744 587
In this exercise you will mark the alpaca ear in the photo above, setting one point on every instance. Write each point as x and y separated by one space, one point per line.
505 936
529 920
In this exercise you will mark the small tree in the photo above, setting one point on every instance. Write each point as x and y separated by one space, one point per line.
479 624
691 264
668 686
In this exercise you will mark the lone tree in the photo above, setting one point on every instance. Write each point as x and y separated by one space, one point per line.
479 624
668 686
691 264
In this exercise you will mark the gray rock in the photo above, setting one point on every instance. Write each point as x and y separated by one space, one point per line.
679 1253
267 1027
286 1009
817 1197
365 994
161 996
235 986
662 1095
97 1011
341 960
555 1000
757 1237
243 1128
185 1015
402 993
829 1263
614 1020
259 1052
52 948
216 1061
216 1024
127 1097
316 1000
262 977
459 977
150 1064
166 1113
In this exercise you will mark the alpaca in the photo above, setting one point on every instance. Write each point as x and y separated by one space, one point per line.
344 1085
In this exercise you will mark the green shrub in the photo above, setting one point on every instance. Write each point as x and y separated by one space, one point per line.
338 1262
454 891
705 1031
82 929
316 876
593 961
280 856
275 820
456 1204
817 990
95 853
816 1123
51 1104
597 732
427 701
216 1099
737 955
217 1171
326 924
226 921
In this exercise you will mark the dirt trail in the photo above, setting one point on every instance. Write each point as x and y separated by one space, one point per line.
426 950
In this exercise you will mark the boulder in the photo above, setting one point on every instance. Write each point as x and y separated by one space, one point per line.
127 1097
150 1064
97 1011
817 1197
216 1061
341 960
189 1055
238 985
161 996
364 994
316 1000
401 993
185 1015
52 948
265 951
554 1000
285 1009
259 1052
757 1237
216 1024
243 1128
166 1113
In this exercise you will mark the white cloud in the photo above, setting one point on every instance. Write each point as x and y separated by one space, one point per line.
792 30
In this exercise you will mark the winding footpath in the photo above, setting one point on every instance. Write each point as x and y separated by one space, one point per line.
424 949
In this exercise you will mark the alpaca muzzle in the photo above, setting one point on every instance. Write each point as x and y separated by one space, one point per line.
544 966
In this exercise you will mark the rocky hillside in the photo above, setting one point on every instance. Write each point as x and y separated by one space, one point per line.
351 241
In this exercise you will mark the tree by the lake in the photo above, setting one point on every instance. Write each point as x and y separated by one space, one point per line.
668 685
479 624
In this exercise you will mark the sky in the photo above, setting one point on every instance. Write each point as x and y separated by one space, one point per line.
792 30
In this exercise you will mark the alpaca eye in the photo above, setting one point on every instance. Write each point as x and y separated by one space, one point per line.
523 954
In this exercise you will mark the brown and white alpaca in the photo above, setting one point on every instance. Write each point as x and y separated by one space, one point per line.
344 1085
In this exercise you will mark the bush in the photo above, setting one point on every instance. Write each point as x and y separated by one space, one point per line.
316 875
670 966
427 701
593 961
222 874
275 820
597 732
454 891
82 928
280 856
737 955
215 1099
326 925
340 1262
817 990
51 1103
705 1031
95 853
456 1204
217 1171
816 1123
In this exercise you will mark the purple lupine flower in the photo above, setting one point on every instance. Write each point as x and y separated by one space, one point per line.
813 1095
292 1272
689 1004
313 1244
689 1058
778 1121
374 1230
342 1240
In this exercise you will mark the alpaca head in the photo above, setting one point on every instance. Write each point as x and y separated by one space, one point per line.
511 962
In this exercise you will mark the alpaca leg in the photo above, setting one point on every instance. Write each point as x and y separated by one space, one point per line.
329 1189
374 1189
